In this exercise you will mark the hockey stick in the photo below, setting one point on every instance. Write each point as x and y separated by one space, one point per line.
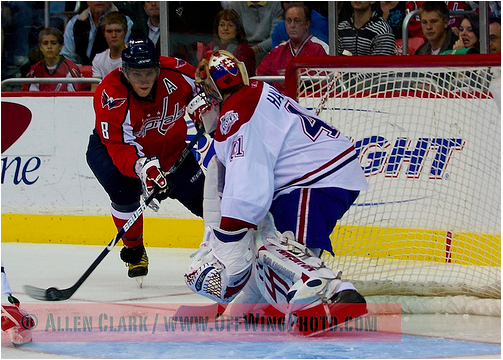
54 294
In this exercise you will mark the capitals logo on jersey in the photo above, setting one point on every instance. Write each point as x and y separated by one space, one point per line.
180 63
110 102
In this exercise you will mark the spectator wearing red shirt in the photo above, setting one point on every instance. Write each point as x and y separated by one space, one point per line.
229 34
50 41
301 42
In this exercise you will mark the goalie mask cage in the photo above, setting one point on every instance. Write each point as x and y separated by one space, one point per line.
427 131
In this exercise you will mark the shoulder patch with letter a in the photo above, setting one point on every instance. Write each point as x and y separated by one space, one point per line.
170 86
110 102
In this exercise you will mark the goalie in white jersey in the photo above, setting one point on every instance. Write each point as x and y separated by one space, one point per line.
279 170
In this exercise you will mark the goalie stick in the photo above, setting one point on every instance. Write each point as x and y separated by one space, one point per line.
54 294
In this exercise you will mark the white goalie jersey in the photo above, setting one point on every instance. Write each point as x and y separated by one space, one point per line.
270 146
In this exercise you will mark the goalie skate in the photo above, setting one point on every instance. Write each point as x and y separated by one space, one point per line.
139 280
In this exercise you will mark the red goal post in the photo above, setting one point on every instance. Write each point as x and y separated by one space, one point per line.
427 130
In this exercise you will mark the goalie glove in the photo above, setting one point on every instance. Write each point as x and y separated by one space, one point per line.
149 171
204 112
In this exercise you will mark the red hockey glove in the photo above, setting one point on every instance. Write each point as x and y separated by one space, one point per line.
150 173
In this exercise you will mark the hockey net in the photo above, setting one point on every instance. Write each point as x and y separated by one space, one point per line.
427 131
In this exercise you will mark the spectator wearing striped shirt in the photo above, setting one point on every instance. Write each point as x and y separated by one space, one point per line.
365 33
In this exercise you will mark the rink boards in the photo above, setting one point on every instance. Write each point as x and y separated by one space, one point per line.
50 195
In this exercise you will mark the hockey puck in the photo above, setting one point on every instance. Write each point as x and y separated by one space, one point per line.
52 294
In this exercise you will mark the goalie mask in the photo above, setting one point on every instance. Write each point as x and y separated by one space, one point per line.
219 71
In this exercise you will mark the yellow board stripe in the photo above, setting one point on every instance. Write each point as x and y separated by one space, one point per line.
97 230
395 243
418 244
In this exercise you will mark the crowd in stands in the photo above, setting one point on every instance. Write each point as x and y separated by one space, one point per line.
264 35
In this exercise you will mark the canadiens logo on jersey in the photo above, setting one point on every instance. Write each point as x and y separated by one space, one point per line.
226 121
110 102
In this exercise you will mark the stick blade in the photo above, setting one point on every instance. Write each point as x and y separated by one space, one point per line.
50 294
35 292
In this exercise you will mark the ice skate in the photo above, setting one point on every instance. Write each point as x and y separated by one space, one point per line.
140 269
137 269
139 280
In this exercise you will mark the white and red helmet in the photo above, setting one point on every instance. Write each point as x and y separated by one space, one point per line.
220 70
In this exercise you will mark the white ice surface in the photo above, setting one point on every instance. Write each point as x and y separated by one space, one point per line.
46 265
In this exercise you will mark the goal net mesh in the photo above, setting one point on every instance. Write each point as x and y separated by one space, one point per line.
428 138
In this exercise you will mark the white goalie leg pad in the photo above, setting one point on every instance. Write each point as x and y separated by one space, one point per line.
213 188
287 272
204 254
222 265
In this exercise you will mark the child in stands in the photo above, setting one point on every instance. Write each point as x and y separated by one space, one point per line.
50 41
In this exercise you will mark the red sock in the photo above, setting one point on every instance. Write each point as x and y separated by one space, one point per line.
134 236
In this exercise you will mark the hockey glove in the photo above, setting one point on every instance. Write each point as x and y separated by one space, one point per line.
203 112
149 171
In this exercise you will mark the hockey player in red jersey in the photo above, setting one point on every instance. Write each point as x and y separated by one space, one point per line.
280 181
139 134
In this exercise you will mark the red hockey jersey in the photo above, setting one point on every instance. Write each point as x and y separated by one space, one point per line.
65 68
275 63
133 127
